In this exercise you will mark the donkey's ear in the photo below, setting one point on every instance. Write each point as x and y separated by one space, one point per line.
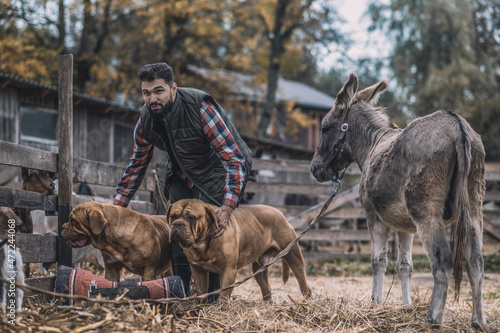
371 94
345 97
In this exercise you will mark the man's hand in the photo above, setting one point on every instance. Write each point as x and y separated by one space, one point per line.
223 214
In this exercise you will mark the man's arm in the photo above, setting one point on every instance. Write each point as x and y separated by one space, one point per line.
224 145
134 174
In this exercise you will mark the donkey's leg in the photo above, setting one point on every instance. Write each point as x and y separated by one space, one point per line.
432 235
379 234
404 265
475 271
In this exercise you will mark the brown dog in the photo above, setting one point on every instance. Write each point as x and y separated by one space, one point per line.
135 241
253 235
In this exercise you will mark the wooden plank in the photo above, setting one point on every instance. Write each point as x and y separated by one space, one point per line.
293 166
310 189
281 165
492 215
491 225
347 213
65 160
492 166
7 173
106 174
97 173
46 283
336 235
492 171
493 175
37 248
11 197
306 216
492 196
28 157
139 206
88 171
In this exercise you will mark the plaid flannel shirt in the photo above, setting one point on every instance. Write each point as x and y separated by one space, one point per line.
221 141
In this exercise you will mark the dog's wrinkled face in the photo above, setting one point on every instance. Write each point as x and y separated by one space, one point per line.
191 221
85 223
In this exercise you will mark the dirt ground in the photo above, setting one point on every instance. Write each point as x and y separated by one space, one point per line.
359 289
338 304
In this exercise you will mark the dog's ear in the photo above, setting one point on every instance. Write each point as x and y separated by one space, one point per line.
168 215
212 220
97 221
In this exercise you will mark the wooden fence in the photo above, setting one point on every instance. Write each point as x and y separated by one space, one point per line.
48 249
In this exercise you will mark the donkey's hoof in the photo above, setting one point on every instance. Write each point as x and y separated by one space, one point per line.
479 327
408 309
434 323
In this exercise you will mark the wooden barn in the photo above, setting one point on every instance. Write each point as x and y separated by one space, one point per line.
102 130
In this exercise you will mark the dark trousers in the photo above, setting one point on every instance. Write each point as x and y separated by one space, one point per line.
180 265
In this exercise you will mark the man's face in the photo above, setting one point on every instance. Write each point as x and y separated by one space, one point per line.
158 95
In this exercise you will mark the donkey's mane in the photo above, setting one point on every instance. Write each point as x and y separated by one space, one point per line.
376 117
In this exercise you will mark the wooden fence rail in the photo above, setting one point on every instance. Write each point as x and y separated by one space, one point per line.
107 174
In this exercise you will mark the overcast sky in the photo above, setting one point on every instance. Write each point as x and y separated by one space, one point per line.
364 43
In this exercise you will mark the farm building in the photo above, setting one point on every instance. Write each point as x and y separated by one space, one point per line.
102 129
290 95
28 116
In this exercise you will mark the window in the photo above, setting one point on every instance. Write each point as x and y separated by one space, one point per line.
39 128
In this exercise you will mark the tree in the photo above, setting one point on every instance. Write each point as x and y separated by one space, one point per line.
37 31
285 26
446 56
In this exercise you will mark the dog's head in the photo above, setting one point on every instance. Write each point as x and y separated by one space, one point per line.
191 221
86 222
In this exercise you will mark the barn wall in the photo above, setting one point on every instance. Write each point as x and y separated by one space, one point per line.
98 133
9 109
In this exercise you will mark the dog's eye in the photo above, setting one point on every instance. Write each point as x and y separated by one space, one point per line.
191 218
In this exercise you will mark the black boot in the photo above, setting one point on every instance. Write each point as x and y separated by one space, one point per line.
213 284
180 267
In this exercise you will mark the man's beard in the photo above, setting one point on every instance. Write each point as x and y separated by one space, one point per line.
162 112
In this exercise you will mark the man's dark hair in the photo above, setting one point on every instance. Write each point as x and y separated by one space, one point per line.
159 70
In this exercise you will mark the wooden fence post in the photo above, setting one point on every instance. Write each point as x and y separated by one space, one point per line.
65 160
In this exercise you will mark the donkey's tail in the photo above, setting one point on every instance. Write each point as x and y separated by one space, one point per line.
467 187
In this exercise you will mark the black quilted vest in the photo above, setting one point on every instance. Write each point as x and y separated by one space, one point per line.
181 135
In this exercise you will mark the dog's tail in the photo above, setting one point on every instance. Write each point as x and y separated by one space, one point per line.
285 271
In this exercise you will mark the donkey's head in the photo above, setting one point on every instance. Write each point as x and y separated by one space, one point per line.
334 152
38 181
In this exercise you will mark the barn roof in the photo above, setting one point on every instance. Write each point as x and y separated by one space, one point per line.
246 87
22 82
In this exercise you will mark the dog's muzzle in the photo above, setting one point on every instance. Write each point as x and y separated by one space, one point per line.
178 233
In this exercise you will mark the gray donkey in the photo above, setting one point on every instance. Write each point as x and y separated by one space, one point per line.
417 180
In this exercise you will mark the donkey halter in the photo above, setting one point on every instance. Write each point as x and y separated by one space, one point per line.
338 148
